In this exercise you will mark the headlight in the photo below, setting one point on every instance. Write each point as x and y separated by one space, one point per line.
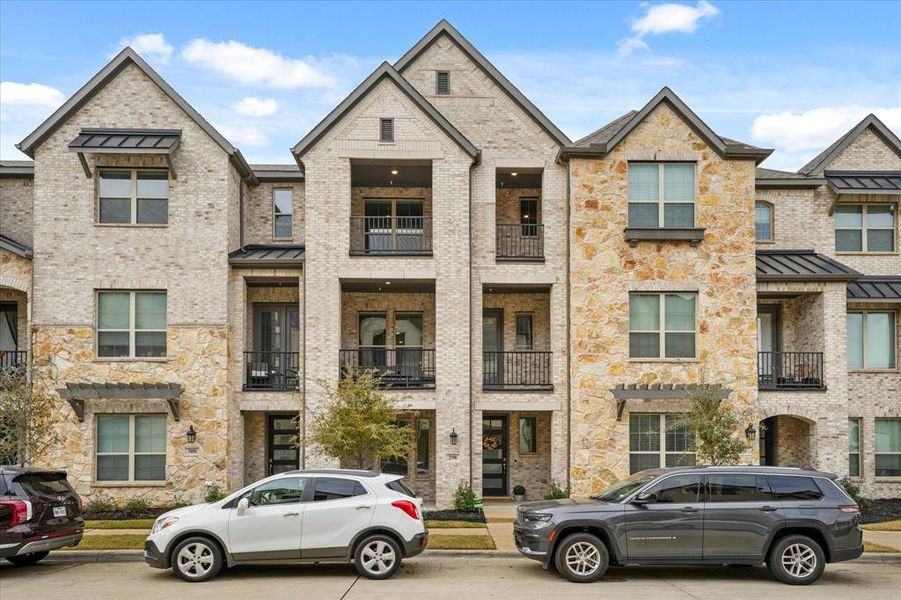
161 524
542 517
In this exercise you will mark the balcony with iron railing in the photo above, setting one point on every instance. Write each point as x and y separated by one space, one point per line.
409 368
520 242
520 370
397 236
267 370
790 371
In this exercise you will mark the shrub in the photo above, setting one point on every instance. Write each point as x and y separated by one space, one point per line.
465 500
519 491
136 505
556 492
853 490
213 494
100 504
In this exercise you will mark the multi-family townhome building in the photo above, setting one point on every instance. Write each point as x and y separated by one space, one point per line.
540 309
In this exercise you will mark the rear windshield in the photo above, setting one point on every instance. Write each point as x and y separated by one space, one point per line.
399 487
41 484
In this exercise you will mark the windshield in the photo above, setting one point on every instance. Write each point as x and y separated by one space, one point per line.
621 489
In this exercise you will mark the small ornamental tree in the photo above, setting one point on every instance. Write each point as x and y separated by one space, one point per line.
714 426
28 417
358 423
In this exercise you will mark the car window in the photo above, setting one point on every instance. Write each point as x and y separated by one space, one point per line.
795 488
679 489
278 491
737 487
621 489
41 484
332 488
399 487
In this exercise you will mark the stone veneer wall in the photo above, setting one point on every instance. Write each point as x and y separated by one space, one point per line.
15 286
16 197
604 269
258 213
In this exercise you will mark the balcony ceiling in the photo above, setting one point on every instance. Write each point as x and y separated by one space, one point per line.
386 286
380 174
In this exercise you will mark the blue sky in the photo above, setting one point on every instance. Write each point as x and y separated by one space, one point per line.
791 76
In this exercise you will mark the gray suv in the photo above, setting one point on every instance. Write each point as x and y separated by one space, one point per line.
794 520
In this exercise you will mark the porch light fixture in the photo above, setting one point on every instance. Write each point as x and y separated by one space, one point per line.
750 432
513 173
394 171
453 436
191 435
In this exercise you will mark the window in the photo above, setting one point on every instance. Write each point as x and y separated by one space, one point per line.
854 447
865 228
422 445
871 340
131 448
283 213
442 83
673 183
332 488
794 488
408 329
386 130
134 196
737 487
396 465
528 435
678 489
131 324
763 222
662 325
523 331
888 447
288 490
659 440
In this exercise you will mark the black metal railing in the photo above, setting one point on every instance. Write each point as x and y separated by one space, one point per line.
517 241
395 367
524 369
266 370
13 358
390 235
790 371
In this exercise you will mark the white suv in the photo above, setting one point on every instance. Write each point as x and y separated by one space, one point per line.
371 519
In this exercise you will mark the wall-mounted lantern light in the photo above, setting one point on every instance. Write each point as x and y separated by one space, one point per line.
750 432
453 436
191 435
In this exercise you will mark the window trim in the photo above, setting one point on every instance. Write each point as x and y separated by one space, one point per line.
276 214
865 368
662 452
661 200
132 453
876 453
859 452
133 222
662 331
382 122
863 229
772 209
132 330
534 419
438 75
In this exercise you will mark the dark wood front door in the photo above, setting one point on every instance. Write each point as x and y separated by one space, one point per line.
767 437
494 455
281 444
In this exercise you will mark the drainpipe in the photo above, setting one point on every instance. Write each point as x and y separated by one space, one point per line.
241 212
471 317
569 387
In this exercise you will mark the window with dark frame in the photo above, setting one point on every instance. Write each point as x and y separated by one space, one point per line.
133 197
763 222
854 447
386 130
423 445
524 338
282 213
442 83
528 435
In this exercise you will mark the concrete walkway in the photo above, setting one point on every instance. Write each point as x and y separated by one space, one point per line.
500 517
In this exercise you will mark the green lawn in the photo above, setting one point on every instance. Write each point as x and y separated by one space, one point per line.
460 542
123 524
884 526
432 524
125 541
873 547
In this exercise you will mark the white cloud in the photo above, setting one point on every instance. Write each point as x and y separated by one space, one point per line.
665 18
816 128
255 66
31 95
151 46
249 136
252 106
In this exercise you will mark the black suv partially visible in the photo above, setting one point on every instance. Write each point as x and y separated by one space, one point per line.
39 512
794 520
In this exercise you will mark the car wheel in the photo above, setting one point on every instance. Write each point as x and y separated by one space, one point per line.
27 559
377 557
582 558
196 559
796 560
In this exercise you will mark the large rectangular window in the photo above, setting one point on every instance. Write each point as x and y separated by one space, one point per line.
888 447
133 197
131 324
524 331
872 340
661 195
865 228
528 435
282 214
854 447
659 440
131 448
423 444
662 325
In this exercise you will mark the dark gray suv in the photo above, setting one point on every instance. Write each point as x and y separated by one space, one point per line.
794 520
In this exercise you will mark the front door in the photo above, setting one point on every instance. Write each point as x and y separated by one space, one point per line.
767 438
494 455
769 344
270 528
9 328
282 450
276 338
492 346
671 524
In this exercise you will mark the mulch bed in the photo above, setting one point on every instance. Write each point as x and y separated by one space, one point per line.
886 509
121 515
454 515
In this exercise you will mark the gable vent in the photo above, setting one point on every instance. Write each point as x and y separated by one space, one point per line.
442 83
386 130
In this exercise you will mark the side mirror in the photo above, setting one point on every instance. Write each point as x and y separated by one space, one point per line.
243 505
645 498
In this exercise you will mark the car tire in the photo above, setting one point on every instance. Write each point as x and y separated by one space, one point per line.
582 558
377 557
796 560
196 559
24 560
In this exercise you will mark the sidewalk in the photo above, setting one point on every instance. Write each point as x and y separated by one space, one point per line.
890 539
500 517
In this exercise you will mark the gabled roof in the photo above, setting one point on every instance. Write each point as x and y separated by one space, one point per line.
772 178
822 160
605 139
127 57
801 265
384 71
16 168
15 247
445 28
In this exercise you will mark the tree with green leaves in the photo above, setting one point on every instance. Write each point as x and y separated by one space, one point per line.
28 417
716 428
358 423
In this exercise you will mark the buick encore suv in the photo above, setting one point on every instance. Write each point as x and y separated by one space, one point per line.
370 519
794 520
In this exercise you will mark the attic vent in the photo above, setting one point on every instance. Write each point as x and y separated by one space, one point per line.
442 83
386 130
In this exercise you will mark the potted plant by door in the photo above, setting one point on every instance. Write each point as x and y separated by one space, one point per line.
519 493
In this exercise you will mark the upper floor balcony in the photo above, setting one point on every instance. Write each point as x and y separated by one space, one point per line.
387 235
790 322
519 231
790 371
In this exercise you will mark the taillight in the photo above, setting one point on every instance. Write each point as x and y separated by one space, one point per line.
849 508
80 504
408 507
21 510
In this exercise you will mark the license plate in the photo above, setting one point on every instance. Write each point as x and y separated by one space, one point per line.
59 511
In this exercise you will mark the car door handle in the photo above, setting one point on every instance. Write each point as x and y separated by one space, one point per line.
767 509
690 509
363 507
290 515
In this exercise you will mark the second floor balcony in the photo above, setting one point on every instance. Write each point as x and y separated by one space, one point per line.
374 236
270 370
520 241
790 371
407 367
526 370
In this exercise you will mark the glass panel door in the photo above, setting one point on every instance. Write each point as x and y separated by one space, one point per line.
282 449
8 327
373 333
494 456
492 345
377 225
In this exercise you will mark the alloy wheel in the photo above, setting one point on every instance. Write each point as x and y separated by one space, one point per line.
799 560
583 558
378 557
195 560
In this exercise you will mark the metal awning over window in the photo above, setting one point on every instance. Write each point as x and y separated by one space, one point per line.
77 393
125 141
663 391
865 182
265 255
875 289
800 265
